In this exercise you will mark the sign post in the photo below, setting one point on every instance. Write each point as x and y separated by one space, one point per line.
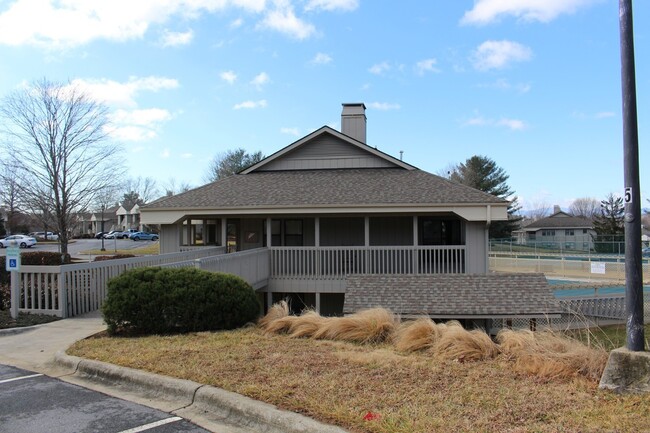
13 265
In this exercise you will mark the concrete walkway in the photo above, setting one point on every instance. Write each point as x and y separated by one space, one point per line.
42 348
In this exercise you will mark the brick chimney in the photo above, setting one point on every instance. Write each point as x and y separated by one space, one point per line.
353 121
556 209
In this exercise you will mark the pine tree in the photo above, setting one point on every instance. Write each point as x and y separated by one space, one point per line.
484 174
609 225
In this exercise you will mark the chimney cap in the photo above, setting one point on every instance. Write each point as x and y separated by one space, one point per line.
354 108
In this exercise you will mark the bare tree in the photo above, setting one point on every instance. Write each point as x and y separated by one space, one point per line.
172 187
10 198
539 210
146 188
231 162
586 207
57 135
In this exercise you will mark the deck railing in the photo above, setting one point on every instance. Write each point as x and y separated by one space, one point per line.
71 290
337 262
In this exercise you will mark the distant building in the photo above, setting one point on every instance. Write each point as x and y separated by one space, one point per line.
560 230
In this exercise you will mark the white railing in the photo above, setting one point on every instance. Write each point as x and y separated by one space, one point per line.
71 290
337 262
251 265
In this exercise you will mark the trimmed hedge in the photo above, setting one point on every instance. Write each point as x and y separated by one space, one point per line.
34 258
114 257
163 300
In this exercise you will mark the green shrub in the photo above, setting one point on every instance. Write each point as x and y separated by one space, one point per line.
162 300
34 258
114 257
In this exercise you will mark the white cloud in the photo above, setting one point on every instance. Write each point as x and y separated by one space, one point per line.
137 125
426 65
165 154
503 84
290 131
186 155
487 11
175 39
504 122
330 5
237 23
321 59
512 124
123 94
383 106
250 104
379 68
605 114
228 76
284 20
260 80
499 54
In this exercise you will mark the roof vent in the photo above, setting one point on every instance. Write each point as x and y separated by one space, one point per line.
353 121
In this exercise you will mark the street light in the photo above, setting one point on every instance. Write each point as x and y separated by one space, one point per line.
103 208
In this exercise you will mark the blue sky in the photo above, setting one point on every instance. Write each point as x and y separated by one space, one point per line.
532 84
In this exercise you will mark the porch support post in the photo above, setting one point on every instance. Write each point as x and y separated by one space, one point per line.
317 231
366 236
204 234
317 255
224 233
317 302
269 235
190 241
269 299
416 264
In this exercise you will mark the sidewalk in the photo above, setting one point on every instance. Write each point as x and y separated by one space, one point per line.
42 348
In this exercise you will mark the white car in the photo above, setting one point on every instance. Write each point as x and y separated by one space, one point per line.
21 240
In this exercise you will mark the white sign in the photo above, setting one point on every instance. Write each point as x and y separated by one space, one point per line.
598 268
13 259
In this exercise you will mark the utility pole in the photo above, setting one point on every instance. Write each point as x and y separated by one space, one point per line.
632 198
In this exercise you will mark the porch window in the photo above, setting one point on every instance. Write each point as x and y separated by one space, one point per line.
293 233
440 231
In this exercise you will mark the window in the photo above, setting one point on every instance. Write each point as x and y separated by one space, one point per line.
548 232
293 233
568 232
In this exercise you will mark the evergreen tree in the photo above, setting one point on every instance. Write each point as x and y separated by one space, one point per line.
609 226
484 174
231 162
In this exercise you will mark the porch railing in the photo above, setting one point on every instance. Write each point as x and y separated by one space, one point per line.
71 290
337 262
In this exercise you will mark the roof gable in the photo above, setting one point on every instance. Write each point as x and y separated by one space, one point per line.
326 148
560 220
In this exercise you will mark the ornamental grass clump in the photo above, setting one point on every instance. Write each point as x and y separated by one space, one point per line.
456 343
417 335
275 314
307 324
550 355
366 326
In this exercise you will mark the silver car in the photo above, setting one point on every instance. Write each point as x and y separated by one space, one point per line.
21 240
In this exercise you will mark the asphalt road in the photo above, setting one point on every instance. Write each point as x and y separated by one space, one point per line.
78 246
33 403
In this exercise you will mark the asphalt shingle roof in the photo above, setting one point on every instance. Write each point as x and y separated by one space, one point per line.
348 187
560 220
453 295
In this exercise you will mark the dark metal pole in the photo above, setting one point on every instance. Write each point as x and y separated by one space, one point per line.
633 266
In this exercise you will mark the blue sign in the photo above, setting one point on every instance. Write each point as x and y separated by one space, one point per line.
13 259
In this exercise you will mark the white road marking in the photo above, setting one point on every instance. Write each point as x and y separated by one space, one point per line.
19 378
152 425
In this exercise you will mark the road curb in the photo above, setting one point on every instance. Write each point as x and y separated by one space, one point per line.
212 403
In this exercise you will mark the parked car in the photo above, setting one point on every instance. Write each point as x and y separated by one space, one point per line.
45 235
21 240
137 236
116 234
646 252
100 235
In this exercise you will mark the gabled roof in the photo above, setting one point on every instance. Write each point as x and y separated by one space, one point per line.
313 188
319 133
559 220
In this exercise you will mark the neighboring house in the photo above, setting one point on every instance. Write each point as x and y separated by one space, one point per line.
560 230
329 205
108 215
128 218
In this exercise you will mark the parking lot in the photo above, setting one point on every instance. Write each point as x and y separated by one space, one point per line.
34 403
77 247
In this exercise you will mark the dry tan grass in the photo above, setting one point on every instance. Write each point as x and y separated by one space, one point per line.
276 312
417 335
457 343
307 324
551 355
367 326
